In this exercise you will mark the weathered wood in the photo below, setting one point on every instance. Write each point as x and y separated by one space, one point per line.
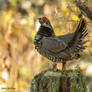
59 81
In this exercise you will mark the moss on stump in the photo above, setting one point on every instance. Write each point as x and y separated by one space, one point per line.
59 81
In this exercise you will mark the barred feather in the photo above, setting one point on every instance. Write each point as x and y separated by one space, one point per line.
76 43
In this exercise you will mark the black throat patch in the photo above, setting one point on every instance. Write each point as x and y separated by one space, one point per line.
45 31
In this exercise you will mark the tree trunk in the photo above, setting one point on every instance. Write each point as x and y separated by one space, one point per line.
59 81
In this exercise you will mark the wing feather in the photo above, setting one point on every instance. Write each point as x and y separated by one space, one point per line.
53 44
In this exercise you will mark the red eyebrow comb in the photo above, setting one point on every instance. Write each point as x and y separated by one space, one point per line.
45 19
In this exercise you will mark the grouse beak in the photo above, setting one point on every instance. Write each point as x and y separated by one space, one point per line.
39 18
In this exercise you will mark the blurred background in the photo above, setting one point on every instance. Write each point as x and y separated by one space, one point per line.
19 61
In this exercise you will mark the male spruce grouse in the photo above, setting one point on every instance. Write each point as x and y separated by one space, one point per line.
59 48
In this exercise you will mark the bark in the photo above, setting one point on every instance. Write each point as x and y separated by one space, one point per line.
59 81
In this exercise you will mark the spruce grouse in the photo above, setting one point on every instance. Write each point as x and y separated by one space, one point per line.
59 48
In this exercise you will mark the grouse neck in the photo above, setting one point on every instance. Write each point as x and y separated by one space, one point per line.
45 31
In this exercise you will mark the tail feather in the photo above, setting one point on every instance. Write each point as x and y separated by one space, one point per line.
84 42
76 44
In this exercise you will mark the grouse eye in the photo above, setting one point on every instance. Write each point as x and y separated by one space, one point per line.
44 19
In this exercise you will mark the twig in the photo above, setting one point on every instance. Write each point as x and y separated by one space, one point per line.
83 8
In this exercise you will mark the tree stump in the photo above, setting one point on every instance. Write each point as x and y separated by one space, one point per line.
58 81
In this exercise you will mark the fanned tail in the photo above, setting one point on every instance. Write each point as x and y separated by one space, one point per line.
77 44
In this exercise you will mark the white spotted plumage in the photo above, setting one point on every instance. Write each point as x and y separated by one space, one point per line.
37 26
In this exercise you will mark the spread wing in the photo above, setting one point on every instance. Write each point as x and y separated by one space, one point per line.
53 44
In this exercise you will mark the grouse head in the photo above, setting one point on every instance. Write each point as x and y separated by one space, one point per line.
43 27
